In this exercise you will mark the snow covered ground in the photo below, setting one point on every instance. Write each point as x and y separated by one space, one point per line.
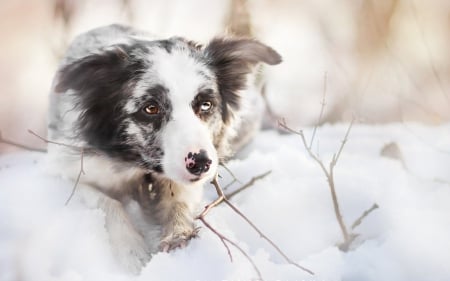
407 238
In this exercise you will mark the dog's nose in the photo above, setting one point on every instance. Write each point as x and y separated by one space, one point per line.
198 163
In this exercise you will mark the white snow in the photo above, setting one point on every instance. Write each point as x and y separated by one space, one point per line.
407 238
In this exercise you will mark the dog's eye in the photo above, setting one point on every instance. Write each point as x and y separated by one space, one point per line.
206 106
151 109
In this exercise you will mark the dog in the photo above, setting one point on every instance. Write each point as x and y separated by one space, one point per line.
134 107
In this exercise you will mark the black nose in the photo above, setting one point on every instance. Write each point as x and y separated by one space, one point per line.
198 163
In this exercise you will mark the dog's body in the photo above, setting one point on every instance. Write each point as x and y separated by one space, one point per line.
166 110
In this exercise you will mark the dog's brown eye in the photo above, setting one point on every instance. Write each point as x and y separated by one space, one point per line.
206 106
151 109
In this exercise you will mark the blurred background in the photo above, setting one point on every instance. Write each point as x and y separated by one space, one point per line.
381 61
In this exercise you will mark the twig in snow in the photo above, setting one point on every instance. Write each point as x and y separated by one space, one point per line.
19 145
264 237
329 174
81 172
82 151
29 148
222 198
223 238
322 107
359 220
22 146
235 179
248 184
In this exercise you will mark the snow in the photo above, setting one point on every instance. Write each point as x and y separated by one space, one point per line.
405 239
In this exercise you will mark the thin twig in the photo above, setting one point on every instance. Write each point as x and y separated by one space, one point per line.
79 148
283 125
222 198
225 240
329 174
248 184
210 206
235 179
364 215
335 159
229 184
19 145
264 237
82 150
78 178
222 238
322 107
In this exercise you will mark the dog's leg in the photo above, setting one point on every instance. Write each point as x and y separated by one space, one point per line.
178 229
175 212
127 244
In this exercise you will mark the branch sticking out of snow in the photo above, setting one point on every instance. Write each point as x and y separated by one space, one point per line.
223 198
248 184
359 220
82 150
348 236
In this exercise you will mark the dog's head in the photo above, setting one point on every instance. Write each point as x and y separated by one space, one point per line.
161 105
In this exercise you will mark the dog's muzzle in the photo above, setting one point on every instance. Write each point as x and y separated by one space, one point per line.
198 163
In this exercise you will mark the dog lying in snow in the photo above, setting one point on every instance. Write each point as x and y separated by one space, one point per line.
169 110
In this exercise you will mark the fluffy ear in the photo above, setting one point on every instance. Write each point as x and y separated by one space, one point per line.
246 50
100 82
232 59
111 67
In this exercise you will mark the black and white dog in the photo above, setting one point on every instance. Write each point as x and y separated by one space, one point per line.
169 110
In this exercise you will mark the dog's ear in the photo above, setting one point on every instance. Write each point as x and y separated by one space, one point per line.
245 50
232 59
104 69
100 81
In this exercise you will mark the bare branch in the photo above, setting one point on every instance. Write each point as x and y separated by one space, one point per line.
335 159
78 178
336 207
222 198
82 150
364 215
248 184
235 179
79 148
322 107
222 238
19 145
283 125
329 174
264 237
225 240
210 206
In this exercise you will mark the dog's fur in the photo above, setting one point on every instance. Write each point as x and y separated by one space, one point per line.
146 108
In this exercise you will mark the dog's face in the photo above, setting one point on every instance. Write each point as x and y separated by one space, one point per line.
161 105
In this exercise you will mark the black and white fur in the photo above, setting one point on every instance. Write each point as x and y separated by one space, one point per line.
166 110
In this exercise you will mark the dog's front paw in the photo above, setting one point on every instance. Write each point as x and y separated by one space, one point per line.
177 240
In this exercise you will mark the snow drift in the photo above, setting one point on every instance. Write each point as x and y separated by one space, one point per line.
405 239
